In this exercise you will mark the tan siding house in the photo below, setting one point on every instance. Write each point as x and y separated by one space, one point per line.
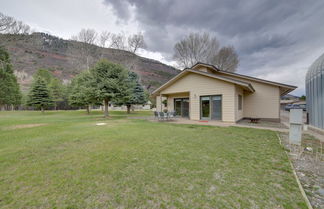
204 92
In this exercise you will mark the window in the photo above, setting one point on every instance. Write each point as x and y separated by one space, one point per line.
239 102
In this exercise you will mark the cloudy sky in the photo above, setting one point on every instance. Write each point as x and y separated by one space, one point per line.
275 39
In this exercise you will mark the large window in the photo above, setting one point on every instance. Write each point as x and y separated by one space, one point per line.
211 107
239 102
181 107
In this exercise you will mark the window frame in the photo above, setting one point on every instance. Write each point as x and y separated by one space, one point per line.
239 102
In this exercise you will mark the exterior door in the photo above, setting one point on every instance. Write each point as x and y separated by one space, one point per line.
216 107
211 107
205 107
181 107
185 108
177 106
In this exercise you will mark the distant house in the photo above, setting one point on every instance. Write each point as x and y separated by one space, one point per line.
290 97
204 92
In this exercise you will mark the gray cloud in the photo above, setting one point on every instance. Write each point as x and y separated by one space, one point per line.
269 35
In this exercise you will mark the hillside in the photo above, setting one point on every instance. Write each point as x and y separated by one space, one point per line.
65 59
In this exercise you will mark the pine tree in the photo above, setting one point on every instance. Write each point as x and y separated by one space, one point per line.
133 94
39 95
56 90
45 74
110 81
82 92
9 88
139 96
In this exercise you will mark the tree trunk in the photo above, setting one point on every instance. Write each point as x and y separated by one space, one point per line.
128 108
88 109
42 109
2 107
106 107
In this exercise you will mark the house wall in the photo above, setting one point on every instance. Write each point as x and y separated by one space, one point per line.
174 96
199 85
263 103
158 104
238 113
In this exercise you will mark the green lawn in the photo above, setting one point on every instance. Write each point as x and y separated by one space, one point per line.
63 160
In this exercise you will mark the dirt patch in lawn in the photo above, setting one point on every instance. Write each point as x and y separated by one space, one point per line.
25 126
308 161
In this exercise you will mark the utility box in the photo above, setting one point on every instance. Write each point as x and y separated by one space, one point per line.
296 126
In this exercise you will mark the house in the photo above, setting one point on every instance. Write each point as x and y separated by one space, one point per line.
204 92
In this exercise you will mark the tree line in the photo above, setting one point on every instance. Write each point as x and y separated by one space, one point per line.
107 39
193 48
10 25
105 83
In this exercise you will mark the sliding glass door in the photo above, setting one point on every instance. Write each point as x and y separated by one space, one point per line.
181 106
211 107
205 107
216 113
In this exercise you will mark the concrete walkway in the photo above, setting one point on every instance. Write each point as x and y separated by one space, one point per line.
225 124
284 119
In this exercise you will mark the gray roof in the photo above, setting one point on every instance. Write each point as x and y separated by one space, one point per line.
315 93
316 68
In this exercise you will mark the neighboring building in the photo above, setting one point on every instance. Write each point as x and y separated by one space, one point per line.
290 97
315 93
204 92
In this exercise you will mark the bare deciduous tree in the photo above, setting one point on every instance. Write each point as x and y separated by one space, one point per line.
88 38
10 25
195 48
135 42
104 38
118 41
204 48
19 28
6 22
226 59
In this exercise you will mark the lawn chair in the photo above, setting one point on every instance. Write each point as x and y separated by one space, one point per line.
156 115
163 116
171 115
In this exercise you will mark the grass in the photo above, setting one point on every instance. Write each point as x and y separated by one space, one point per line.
66 161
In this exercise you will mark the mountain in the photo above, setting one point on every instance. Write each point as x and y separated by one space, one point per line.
66 58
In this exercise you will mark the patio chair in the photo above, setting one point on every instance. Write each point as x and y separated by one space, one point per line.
156 115
163 116
171 115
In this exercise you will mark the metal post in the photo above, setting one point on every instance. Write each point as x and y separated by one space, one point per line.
296 125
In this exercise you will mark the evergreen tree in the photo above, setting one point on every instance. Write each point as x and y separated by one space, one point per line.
82 92
110 82
57 91
39 94
55 86
9 88
134 94
45 74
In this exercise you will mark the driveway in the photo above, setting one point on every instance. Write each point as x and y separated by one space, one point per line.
284 116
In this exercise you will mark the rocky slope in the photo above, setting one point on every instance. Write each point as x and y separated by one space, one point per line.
66 58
